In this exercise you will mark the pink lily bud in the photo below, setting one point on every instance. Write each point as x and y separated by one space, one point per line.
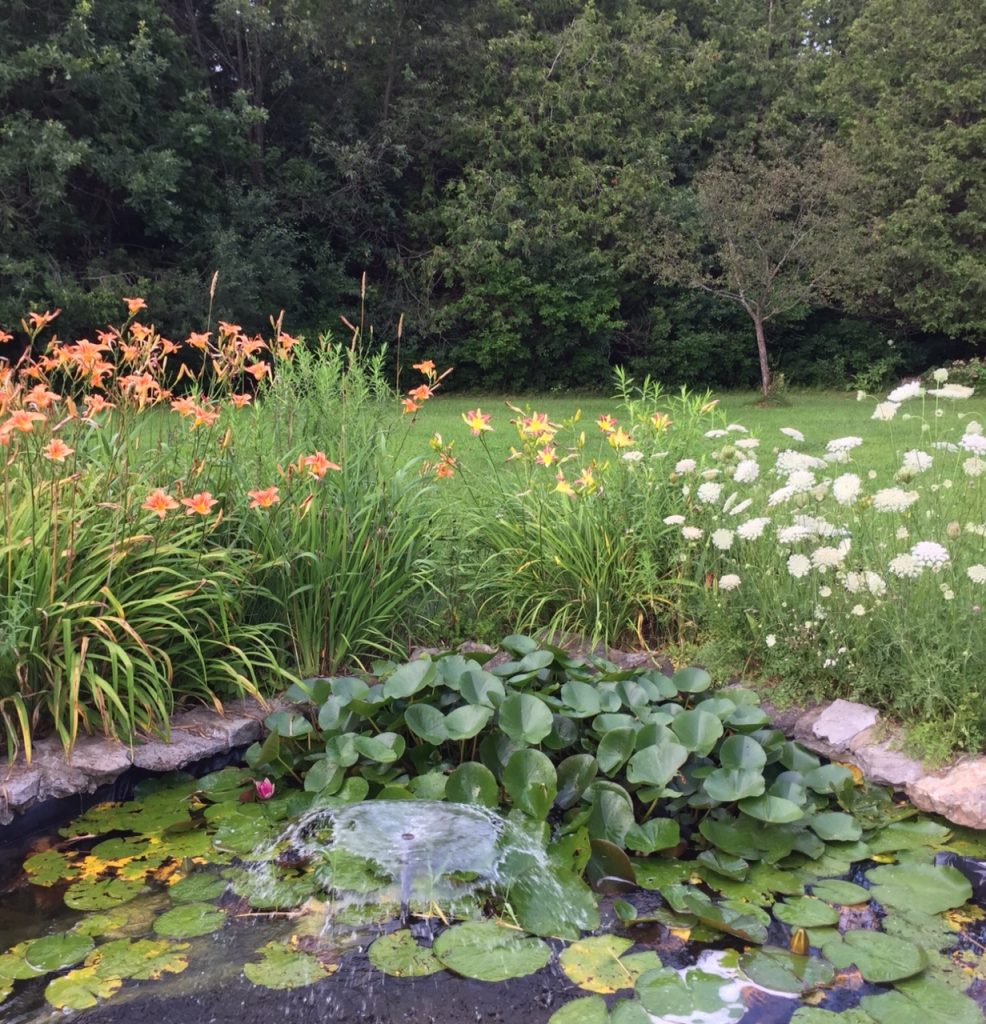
264 788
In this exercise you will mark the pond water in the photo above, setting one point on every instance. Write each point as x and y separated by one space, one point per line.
195 902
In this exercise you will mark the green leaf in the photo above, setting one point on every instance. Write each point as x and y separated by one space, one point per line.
575 775
488 952
654 834
587 1010
729 785
908 835
49 868
922 1001
525 719
614 749
104 895
473 783
611 816
594 964
284 967
772 809
923 887
518 644
782 971
197 888
467 721
531 782
534 661
427 723
657 765
80 989
697 730
385 747
880 958
742 753
410 678
141 960
844 894
288 724
829 778
806 912
56 952
555 903
691 680
582 698
835 826
692 995
479 687
399 955
188 920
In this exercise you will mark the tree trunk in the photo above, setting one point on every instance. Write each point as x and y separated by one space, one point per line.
762 353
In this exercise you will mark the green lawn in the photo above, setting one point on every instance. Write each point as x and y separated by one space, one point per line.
820 416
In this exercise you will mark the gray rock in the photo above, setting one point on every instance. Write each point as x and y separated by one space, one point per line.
879 762
179 749
841 721
19 788
959 793
100 759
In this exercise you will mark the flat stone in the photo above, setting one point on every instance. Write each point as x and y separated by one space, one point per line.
231 730
181 748
100 759
841 721
959 793
19 788
879 762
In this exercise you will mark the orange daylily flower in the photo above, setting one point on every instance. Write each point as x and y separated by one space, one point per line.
709 406
198 339
445 467
285 343
427 367
229 330
23 420
421 393
586 479
606 424
620 438
5 337
410 405
660 421
257 370
135 305
39 320
160 503
95 404
318 465
563 486
265 498
185 406
204 416
199 504
477 421
57 450
241 401
40 397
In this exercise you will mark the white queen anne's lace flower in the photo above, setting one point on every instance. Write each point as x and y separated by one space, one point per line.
747 470
894 499
709 493
846 488
843 444
799 566
827 557
974 466
885 411
685 466
905 567
792 433
691 533
729 582
801 480
632 456
940 376
912 389
975 443
976 573
752 529
916 461
738 510
953 391
722 539
673 520
746 442
929 553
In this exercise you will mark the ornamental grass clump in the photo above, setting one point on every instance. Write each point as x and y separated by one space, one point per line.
854 581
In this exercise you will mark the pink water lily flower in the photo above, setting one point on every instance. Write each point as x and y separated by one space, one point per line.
264 789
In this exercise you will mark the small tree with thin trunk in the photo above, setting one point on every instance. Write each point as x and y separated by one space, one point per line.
770 233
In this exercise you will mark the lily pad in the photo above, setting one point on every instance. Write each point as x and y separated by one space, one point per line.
690 995
197 888
49 868
284 967
399 955
56 952
781 971
806 912
595 965
925 887
813 1015
587 1010
105 895
188 920
907 835
142 960
80 989
525 719
922 1001
844 894
880 958
489 952
836 826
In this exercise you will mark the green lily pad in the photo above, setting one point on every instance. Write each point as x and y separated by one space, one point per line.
49 868
188 920
284 967
836 826
197 888
806 912
399 955
775 810
925 887
844 894
80 989
880 958
587 1010
689 995
652 835
56 952
142 959
813 1015
530 780
104 895
922 1001
525 719
14 967
594 964
907 835
782 971
489 952
473 783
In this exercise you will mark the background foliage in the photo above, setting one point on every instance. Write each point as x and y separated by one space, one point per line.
499 168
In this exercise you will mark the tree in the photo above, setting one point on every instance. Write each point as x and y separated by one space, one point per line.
770 233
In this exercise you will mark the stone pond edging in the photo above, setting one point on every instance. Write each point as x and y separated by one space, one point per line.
841 730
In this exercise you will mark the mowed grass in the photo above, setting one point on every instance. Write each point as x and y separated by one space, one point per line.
820 416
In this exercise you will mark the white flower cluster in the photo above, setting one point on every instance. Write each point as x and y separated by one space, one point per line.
894 499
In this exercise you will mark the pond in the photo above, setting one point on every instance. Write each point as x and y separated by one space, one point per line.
232 898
